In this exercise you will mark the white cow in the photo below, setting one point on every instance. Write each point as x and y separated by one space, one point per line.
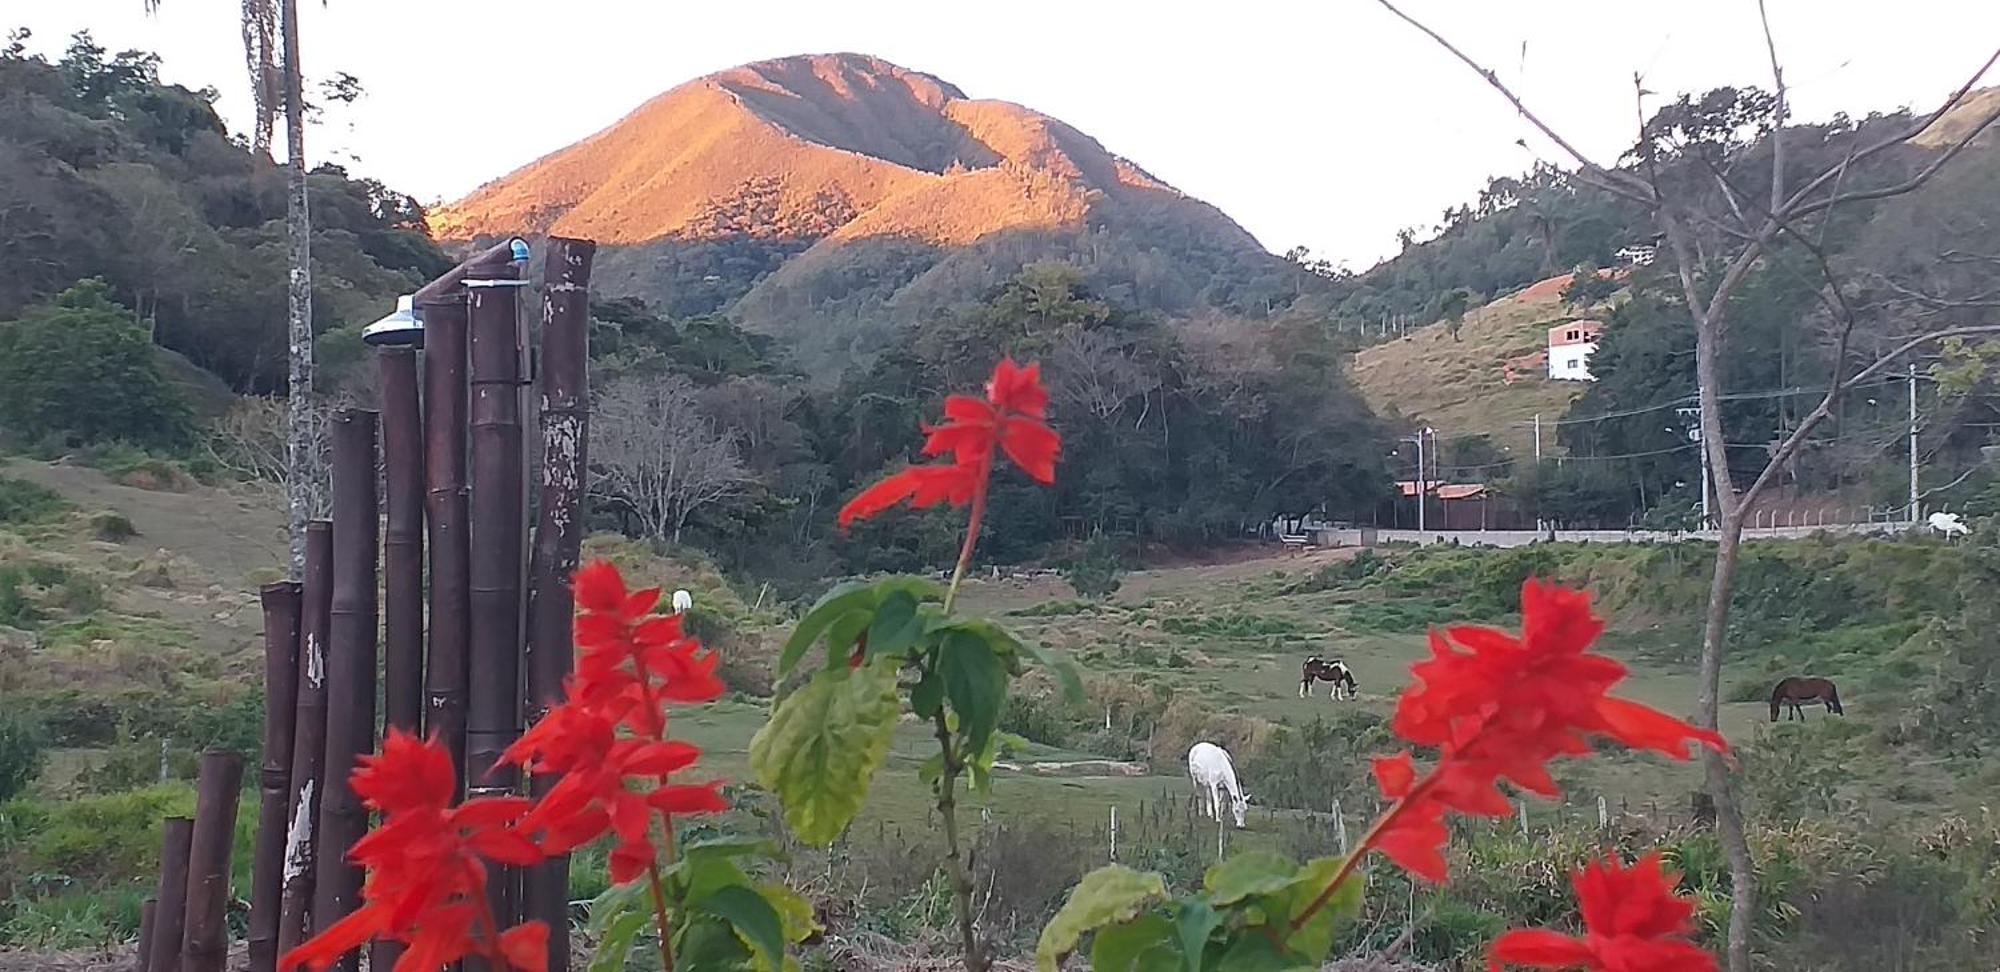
682 602
1949 524
1212 772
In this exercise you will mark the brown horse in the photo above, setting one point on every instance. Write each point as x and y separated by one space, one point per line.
1796 691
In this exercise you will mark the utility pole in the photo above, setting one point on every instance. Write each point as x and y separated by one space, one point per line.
1693 417
1914 499
1538 437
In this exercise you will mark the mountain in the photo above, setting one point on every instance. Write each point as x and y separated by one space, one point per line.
824 197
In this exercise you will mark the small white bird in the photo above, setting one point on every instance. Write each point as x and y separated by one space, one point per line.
1949 524
682 602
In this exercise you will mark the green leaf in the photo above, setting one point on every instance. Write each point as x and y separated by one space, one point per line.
1252 952
616 944
1063 669
976 684
1315 938
1108 895
932 770
843 633
794 911
927 695
1249 873
1147 942
1197 919
830 607
703 876
616 900
730 846
755 921
895 626
823 745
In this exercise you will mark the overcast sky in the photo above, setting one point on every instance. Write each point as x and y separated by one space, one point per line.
1326 123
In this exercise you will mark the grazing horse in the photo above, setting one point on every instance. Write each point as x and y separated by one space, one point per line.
683 602
1211 772
1797 691
1317 669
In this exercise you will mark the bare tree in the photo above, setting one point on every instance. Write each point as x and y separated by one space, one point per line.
655 453
1696 197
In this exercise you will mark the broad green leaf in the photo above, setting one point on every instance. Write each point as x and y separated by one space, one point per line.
731 847
1145 943
1196 921
616 900
844 632
1249 873
1315 938
1063 669
831 605
1250 951
703 942
703 876
1012 650
976 684
1108 895
823 745
616 944
895 626
927 695
755 921
794 911
932 770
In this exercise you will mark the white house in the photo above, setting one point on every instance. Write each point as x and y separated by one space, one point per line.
1570 348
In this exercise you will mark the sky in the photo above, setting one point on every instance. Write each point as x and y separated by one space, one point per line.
1323 123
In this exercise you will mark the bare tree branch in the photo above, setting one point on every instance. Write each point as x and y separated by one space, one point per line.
1904 135
653 450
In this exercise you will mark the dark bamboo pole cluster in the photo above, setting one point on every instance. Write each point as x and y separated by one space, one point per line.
456 641
350 667
563 400
274 776
205 944
498 514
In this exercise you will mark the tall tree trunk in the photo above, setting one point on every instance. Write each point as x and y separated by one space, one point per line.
1715 628
303 464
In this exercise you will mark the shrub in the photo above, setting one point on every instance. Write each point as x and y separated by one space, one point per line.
1095 571
78 368
24 503
21 742
1036 718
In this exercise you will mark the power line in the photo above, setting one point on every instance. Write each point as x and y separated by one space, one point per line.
1690 399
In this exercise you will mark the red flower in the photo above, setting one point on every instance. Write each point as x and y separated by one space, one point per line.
1013 418
1496 707
1633 922
629 660
426 877
594 795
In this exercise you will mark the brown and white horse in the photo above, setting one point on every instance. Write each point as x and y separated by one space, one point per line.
1317 669
1797 691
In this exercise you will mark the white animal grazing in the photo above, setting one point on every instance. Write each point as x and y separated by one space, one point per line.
682 601
1949 524
1212 772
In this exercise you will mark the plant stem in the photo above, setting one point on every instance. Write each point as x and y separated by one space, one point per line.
961 883
971 532
660 916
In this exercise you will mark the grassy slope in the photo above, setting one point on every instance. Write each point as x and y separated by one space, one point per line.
1458 387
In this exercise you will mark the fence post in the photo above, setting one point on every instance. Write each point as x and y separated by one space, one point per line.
147 909
1114 833
445 509
1340 826
274 775
1521 812
205 942
305 789
350 662
170 915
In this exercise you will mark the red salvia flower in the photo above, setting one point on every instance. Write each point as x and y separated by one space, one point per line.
630 660
426 877
1633 922
1012 418
1496 706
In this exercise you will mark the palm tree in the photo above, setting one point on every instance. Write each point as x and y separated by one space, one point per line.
273 84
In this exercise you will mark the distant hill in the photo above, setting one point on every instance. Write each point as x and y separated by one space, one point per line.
824 197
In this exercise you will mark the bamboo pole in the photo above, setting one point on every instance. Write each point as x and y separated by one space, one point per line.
163 953
498 514
147 909
205 944
445 502
306 789
564 399
402 543
350 667
402 563
274 775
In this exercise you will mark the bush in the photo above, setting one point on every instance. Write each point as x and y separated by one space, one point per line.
1095 571
77 368
1036 718
23 503
21 742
